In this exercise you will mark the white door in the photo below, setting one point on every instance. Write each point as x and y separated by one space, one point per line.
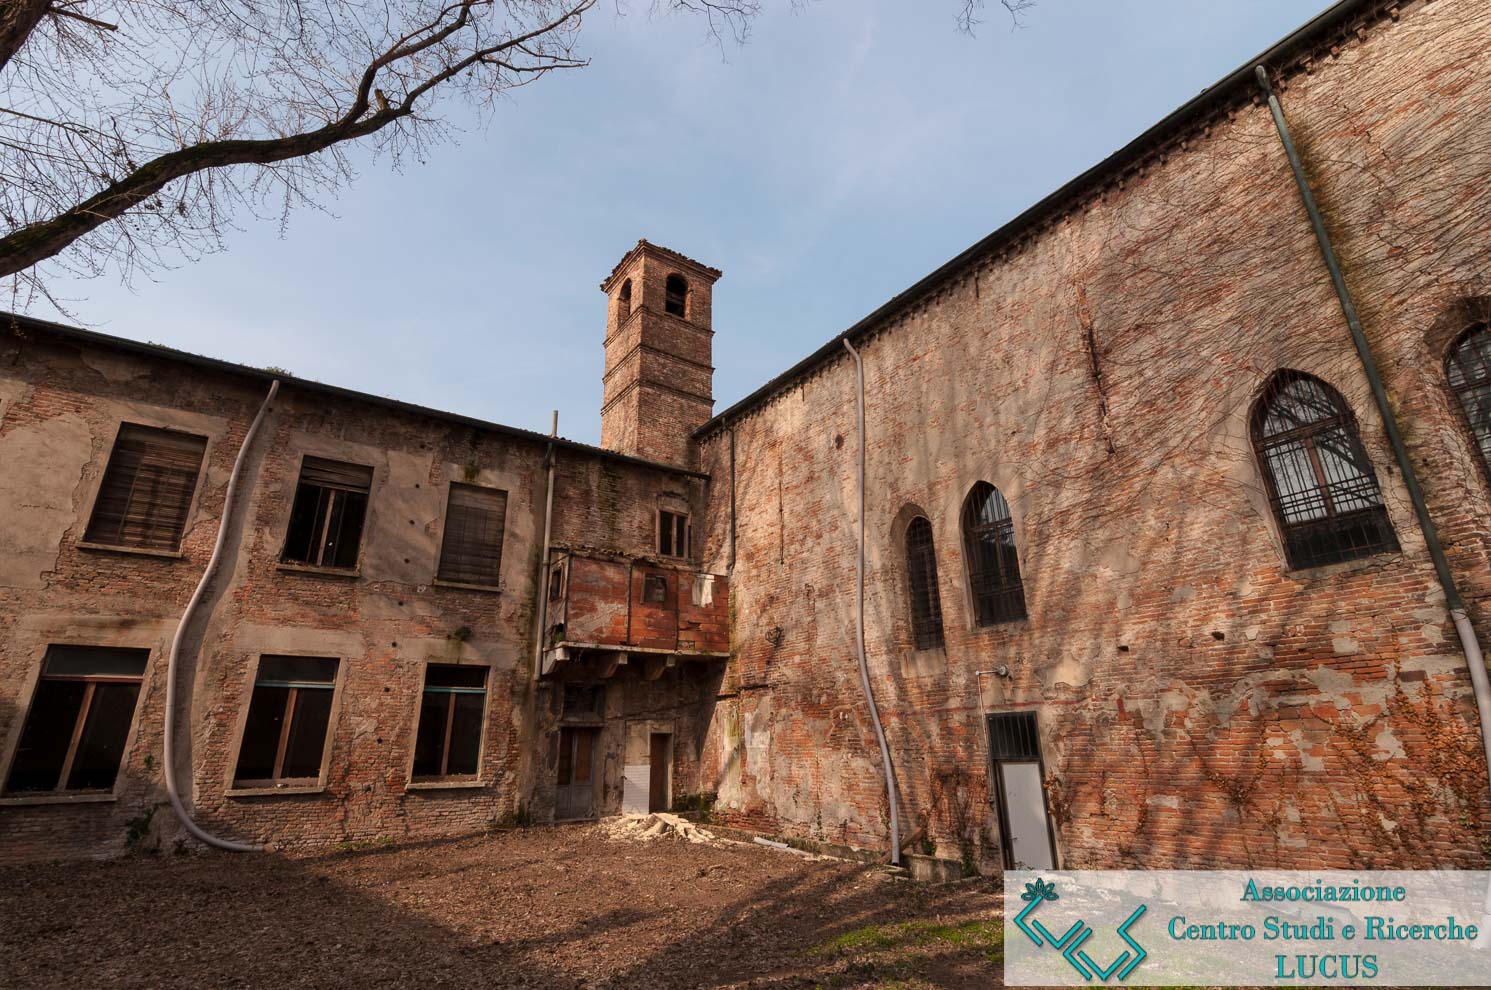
1025 813
634 788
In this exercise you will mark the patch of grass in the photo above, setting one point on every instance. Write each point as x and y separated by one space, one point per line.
975 933
363 845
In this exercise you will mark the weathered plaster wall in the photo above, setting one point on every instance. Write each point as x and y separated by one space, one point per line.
1199 703
60 408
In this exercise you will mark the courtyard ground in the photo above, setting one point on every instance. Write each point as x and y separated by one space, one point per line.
549 908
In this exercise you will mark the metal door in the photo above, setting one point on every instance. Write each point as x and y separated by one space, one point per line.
1018 787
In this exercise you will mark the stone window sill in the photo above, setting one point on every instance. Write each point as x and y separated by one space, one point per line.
297 791
452 784
1371 562
139 551
491 589
21 800
350 573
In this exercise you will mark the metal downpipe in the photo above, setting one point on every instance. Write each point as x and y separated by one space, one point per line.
168 764
1453 602
859 628
543 574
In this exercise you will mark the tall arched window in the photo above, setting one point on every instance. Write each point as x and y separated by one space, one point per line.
921 570
1321 484
1469 370
676 295
993 568
624 302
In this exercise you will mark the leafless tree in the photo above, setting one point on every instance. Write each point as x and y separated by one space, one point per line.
133 132
969 12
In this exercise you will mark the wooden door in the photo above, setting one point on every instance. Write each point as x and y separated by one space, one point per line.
661 760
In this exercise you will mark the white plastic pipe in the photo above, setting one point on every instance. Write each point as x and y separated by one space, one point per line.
859 628
169 763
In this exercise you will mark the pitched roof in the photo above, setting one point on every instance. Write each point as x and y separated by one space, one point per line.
1292 54
19 325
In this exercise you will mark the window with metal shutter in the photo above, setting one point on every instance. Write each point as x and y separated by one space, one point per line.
1013 736
475 519
147 489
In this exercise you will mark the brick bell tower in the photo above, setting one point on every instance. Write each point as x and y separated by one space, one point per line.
659 379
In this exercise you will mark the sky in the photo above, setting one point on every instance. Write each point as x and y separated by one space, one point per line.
847 150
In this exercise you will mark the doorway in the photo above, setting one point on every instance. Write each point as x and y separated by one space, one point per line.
574 797
1018 788
660 777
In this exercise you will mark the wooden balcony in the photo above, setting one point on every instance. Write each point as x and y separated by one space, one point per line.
612 613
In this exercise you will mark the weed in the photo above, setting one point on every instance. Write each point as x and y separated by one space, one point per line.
508 820
701 805
975 933
136 830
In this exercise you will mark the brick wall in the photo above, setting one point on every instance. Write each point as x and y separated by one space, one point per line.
1200 704
60 405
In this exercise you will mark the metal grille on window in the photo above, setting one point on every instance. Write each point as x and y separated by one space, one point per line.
331 503
1013 736
147 489
1469 370
79 720
471 552
1321 484
921 569
993 567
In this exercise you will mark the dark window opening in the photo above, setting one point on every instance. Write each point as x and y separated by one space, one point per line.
1469 370
471 552
79 721
556 584
331 503
284 737
147 489
655 588
1013 736
624 302
673 534
993 566
676 296
1320 483
926 600
584 701
448 743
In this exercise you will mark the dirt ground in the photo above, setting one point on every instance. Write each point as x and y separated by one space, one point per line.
548 908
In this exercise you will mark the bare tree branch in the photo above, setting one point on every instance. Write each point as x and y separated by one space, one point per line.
133 145
968 18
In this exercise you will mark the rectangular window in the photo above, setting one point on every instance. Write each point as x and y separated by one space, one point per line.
147 489
284 738
79 720
326 520
672 534
585 702
448 743
471 552
655 589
